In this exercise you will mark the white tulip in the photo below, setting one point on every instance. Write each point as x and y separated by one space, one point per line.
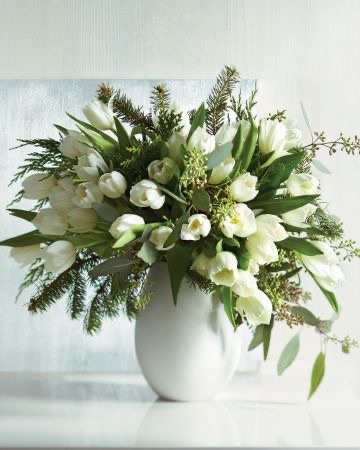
293 135
201 265
272 138
67 183
86 194
176 140
220 172
253 267
269 225
112 184
262 249
50 221
146 193
159 236
226 133
123 223
58 256
202 140
240 223
302 184
243 188
82 220
38 186
245 284
324 267
61 199
198 226
298 216
162 170
88 166
99 115
257 308
25 255
74 144
223 269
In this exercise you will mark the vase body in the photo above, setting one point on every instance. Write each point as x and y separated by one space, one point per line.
187 352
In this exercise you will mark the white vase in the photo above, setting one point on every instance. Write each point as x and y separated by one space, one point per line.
186 352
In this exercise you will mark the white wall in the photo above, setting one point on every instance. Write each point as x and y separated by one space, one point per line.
299 50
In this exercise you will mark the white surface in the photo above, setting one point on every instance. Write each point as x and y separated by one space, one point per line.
190 352
299 50
74 410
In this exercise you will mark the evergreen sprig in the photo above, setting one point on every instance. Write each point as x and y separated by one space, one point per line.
160 97
218 100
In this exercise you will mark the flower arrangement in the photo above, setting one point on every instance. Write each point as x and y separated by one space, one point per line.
228 201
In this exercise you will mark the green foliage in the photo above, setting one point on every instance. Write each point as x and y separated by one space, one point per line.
317 374
241 110
289 354
160 97
178 261
300 245
326 224
228 302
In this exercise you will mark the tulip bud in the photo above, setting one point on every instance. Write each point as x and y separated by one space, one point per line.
74 144
50 221
201 140
302 184
223 269
159 236
86 194
220 172
262 249
99 115
298 216
58 256
198 226
25 255
112 184
269 226
162 170
240 223
176 140
82 220
145 193
88 166
245 284
226 133
257 308
61 199
243 188
38 186
272 138
123 223
201 265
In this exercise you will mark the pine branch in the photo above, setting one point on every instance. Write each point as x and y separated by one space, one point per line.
77 296
95 312
35 273
160 97
217 103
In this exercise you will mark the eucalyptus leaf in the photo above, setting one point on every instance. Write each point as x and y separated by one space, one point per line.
306 314
267 337
257 338
218 155
300 245
320 166
227 299
148 253
317 374
178 260
110 266
289 354
201 200
306 117
330 296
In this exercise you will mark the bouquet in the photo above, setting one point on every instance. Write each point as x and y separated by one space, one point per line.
225 199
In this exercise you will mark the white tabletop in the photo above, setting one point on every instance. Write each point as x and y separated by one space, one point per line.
100 410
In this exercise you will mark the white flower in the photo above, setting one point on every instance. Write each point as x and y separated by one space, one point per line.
99 115
269 226
67 183
202 140
220 172
74 144
162 170
298 216
240 223
253 267
88 166
50 221
25 255
176 140
223 269
257 308
262 249
86 194
159 236
245 284
201 265
293 135
61 198
58 256
272 138
38 186
146 193
123 223
198 226
243 188
324 267
302 184
112 184
226 133
82 220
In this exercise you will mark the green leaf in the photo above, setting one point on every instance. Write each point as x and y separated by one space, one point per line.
258 337
130 235
243 257
140 129
317 374
306 314
26 239
231 242
267 337
198 120
112 265
97 140
171 194
330 296
282 205
123 138
280 170
89 239
320 167
175 235
200 199
300 245
249 146
23 214
218 155
238 143
62 130
289 354
306 117
291 273
148 253
178 261
219 246
92 129
227 299
105 212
